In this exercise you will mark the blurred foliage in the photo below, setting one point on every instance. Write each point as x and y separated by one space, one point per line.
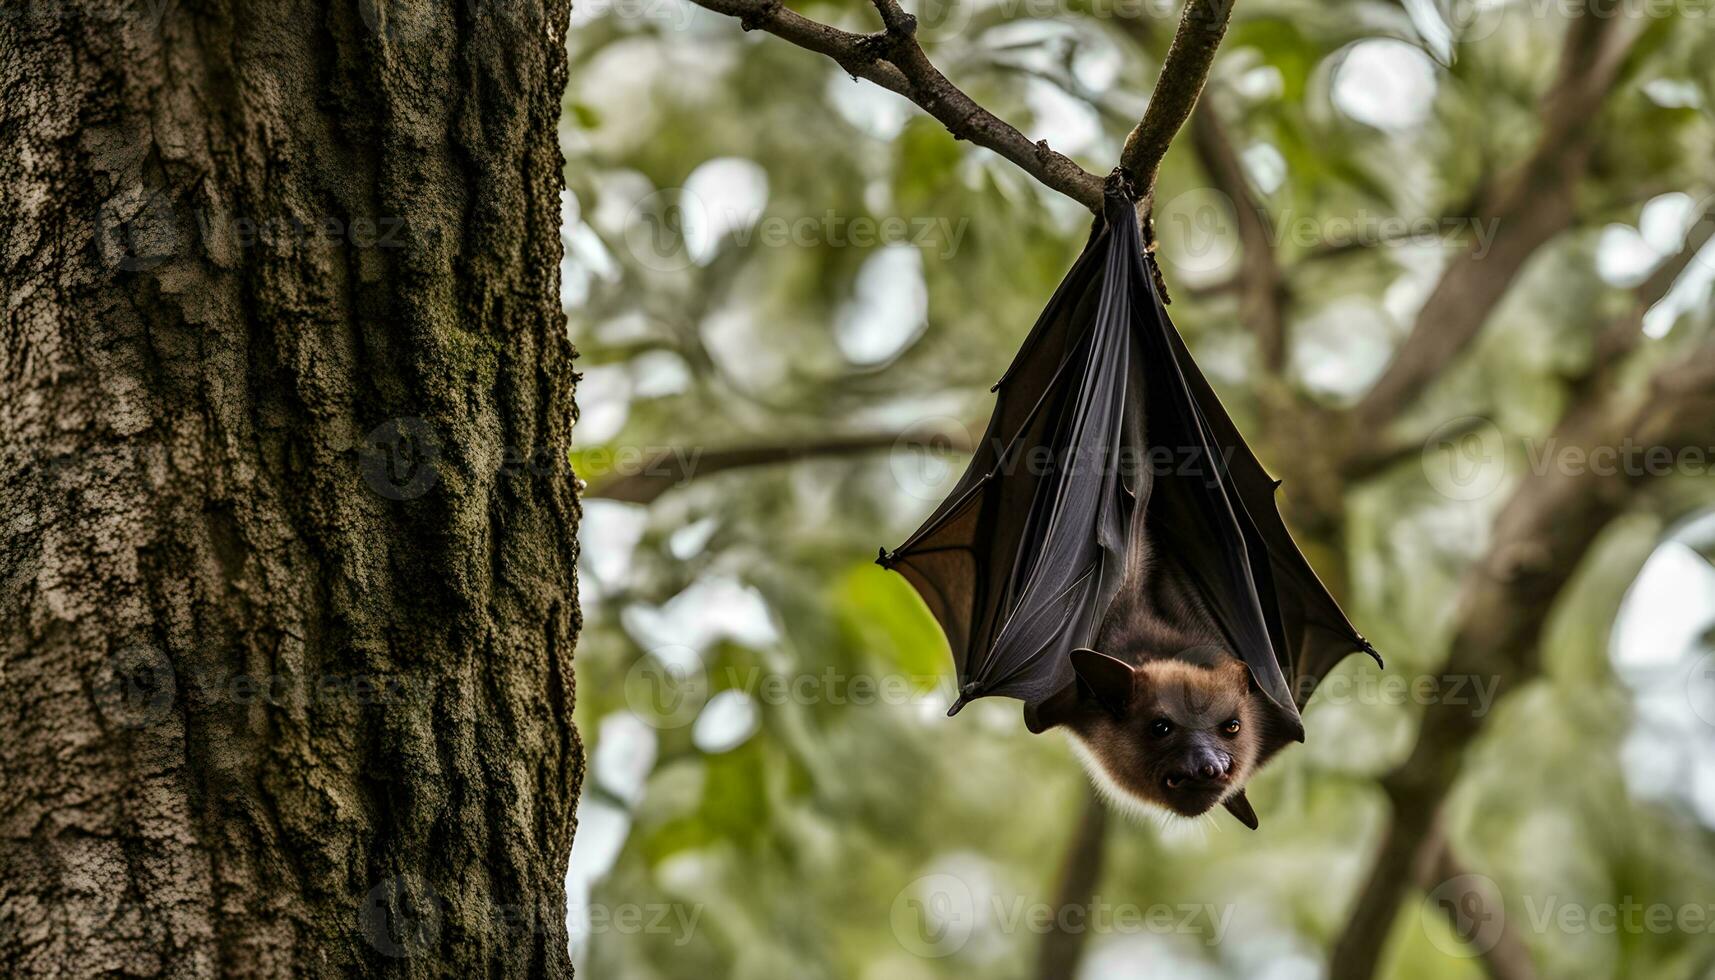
800 825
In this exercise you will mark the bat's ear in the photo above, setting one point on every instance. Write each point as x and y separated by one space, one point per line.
1238 670
1108 679
1240 807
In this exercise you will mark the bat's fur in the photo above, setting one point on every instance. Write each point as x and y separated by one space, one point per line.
1129 759
1154 705
1114 504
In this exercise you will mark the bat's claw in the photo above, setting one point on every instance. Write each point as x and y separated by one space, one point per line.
966 694
1370 649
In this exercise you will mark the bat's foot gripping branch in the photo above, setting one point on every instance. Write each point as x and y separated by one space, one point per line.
1120 181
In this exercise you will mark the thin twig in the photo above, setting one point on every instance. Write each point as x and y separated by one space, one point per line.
1183 73
668 469
893 59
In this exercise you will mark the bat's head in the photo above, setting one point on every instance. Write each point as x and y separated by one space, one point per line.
1168 733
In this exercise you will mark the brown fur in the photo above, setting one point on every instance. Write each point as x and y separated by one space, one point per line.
1197 703
1163 658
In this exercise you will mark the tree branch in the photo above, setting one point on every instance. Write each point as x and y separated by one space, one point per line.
1531 205
1508 958
1261 285
1183 73
1541 535
894 60
1081 872
668 469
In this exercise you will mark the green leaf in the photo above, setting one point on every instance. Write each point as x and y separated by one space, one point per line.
585 114
890 619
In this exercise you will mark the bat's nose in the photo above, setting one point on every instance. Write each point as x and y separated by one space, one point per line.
1207 764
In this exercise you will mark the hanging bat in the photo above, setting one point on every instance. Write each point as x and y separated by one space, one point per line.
1113 556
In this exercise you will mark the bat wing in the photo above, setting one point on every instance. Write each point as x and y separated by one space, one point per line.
1316 633
1023 559
1024 555
1212 508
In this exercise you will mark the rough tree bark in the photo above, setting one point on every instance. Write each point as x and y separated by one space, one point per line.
288 546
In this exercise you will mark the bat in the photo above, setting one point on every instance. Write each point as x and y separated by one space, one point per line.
1113 556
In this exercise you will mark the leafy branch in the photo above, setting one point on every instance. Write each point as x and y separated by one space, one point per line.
1540 537
1530 204
1550 521
666 469
893 59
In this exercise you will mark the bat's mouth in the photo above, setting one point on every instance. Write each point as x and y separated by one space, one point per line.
1203 769
1194 795
1179 781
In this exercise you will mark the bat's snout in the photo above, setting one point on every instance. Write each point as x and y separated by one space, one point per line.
1201 768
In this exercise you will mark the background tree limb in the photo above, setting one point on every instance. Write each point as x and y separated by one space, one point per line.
1542 533
667 469
1080 873
893 59
1529 206
1261 285
1509 958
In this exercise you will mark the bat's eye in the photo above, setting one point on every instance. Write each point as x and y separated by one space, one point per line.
1160 727
1231 727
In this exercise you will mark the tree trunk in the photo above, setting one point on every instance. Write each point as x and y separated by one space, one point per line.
288 533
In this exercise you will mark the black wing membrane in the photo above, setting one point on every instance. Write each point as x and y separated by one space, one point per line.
1020 540
1023 559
